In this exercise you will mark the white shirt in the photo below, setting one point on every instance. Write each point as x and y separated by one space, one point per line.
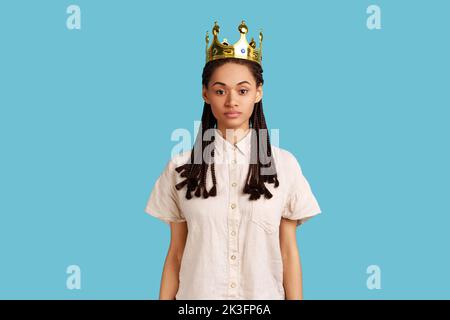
232 249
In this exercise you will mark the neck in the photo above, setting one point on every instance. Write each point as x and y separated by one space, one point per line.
233 135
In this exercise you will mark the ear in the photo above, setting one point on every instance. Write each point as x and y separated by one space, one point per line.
204 95
259 93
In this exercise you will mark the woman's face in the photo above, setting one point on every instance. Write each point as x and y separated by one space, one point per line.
232 94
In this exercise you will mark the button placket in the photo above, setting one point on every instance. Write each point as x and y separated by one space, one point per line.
233 222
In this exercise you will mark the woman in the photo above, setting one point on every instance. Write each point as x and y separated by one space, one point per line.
234 201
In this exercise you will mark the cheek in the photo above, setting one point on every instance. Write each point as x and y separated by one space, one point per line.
216 102
216 109
250 105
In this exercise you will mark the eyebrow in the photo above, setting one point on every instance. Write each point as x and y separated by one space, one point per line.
223 84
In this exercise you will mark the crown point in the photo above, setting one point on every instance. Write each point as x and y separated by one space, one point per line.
216 29
243 28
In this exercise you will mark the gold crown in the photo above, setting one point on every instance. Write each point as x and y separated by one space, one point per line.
241 49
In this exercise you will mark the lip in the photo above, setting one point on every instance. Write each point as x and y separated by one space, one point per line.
232 114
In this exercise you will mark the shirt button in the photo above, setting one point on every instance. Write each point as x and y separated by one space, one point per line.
233 233
233 206
234 184
233 257
233 284
234 161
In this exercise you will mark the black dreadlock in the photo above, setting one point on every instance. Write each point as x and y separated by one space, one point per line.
195 171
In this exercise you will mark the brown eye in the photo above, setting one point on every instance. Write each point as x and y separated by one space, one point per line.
244 90
217 91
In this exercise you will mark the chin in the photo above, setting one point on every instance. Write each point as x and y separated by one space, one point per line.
233 123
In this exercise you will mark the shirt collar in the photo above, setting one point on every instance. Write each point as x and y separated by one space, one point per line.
221 144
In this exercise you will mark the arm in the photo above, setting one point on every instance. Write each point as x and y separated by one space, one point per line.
292 271
170 275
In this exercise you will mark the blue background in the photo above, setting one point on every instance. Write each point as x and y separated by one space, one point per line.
86 117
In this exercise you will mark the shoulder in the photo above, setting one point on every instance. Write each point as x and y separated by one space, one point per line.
169 174
285 159
178 159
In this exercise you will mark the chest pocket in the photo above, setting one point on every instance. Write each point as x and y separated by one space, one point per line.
266 213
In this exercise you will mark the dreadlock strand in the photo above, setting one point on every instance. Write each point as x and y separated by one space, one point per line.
213 190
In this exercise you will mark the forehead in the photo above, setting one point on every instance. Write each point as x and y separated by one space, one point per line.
231 74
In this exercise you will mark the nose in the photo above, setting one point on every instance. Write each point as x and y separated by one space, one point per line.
231 100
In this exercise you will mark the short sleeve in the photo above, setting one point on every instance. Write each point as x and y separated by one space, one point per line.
301 204
163 202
